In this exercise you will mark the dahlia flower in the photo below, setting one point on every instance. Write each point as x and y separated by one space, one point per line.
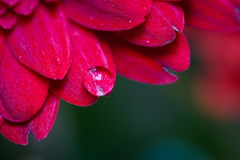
72 49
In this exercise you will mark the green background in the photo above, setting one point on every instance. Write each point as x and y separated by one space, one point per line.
137 121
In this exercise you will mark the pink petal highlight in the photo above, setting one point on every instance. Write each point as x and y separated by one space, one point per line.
8 20
46 48
111 15
212 15
159 27
75 87
144 64
25 7
39 125
22 91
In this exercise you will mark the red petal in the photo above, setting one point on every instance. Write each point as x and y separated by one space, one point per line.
1 120
8 19
2 43
39 125
46 49
92 58
111 15
42 122
10 3
175 55
22 91
3 8
139 64
212 15
158 29
25 7
15 132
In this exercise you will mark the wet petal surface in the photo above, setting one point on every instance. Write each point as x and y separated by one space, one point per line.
87 77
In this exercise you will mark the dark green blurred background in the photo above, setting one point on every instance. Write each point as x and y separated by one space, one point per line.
136 122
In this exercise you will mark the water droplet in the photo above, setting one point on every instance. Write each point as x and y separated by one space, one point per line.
144 8
59 61
130 21
98 81
147 42
101 24
20 57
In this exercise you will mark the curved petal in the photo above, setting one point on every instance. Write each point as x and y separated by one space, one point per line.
22 91
42 41
212 15
39 125
43 121
159 28
148 65
92 72
113 15
175 56
8 20
25 7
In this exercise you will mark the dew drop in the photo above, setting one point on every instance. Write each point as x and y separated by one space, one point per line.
98 81
59 61
147 42
130 21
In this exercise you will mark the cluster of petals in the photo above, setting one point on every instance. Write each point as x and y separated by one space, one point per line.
72 50
216 87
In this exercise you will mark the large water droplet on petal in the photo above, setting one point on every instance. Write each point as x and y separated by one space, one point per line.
98 81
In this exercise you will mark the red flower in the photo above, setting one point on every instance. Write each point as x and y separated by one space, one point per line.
69 49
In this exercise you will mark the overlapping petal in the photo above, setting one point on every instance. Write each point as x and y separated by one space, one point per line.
159 28
25 7
22 91
92 57
39 125
110 15
213 15
42 41
8 19
148 65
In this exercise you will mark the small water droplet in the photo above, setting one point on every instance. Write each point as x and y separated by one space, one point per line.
147 42
98 81
144 8
101 24
59 61
20 57
130 21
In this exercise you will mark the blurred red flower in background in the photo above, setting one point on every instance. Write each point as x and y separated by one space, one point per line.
70 49
217 86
